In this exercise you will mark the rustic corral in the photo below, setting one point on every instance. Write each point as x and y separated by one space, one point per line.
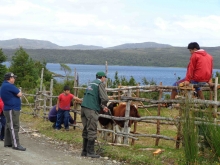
43 100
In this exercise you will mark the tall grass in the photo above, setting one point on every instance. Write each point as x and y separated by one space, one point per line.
201 139
190 135
212 141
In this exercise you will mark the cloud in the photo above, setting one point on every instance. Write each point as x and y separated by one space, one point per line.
196 22
105 23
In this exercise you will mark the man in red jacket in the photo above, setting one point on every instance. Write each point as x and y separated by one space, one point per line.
199 69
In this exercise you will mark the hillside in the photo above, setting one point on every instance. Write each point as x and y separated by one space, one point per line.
40 44
141 46
28 44
160 57
83 47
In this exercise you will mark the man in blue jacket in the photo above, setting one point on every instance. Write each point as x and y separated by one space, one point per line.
10 95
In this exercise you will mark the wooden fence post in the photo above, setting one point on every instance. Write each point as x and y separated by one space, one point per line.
36 102
127 114
158 114
75 94
215 97
41 84
45 101
51 93
106 73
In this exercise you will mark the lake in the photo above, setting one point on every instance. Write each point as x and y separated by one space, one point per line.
166 75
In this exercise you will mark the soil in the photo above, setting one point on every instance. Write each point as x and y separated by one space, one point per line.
42 150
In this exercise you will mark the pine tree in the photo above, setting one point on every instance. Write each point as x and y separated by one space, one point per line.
3 68
24 67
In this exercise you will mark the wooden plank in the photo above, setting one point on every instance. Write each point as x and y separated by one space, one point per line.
157 152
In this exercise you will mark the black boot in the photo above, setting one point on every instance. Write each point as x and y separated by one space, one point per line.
84 151
90 149
54 125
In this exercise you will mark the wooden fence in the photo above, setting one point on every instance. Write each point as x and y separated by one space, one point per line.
43 101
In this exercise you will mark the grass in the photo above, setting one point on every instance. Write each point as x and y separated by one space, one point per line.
140 153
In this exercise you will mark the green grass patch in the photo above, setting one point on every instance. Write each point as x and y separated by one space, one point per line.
140 153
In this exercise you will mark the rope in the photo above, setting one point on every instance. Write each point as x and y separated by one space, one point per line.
110 114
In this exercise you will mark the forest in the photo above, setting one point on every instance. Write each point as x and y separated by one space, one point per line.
159 57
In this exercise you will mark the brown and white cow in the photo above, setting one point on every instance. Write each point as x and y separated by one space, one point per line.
119 111
104 122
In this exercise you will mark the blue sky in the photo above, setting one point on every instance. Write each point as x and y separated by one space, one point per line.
112 22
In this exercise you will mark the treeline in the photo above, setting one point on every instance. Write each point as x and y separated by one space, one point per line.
160 57
28 71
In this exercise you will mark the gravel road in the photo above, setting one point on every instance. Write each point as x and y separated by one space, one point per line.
42 150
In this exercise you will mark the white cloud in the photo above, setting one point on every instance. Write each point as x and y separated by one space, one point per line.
195 22
104 23
162 24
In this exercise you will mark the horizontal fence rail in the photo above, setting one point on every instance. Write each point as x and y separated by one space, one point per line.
43 100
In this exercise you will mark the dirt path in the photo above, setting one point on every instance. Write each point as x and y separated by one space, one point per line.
45 151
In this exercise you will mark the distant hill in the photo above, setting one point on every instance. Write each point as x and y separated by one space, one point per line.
28 44
83 47
41 44
141 45
150 53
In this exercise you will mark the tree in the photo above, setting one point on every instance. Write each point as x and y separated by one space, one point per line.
3 68
132 81
116 82
24 67
67 70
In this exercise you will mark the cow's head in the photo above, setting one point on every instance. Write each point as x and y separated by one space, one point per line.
112 105
134 111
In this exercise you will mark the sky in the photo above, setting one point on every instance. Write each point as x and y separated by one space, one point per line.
109 23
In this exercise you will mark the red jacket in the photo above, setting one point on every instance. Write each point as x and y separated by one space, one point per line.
1 106
200 67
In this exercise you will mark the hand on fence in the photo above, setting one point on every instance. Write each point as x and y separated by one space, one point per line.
105 109
211 84
78 101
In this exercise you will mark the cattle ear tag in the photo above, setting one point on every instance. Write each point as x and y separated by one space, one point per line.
117 104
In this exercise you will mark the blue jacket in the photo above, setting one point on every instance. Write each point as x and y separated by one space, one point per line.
9 96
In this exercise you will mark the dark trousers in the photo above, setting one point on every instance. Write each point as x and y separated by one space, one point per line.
2 127
89 119
12 128
62 115
54 120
